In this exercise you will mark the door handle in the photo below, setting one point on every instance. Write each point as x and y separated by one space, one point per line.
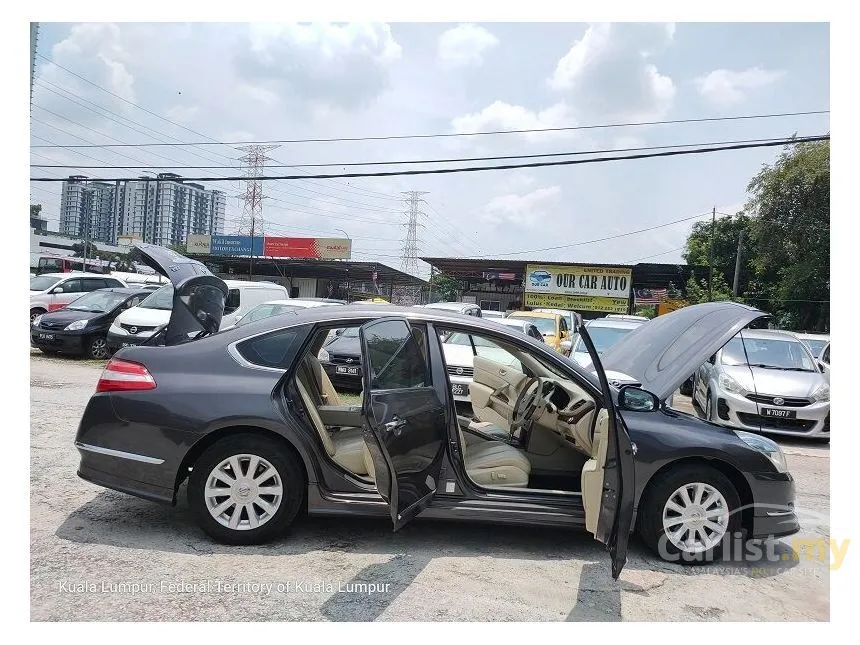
395 426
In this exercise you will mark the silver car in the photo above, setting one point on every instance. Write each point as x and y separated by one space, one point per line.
604 332
766 381
815 342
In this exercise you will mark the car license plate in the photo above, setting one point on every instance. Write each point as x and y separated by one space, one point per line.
46 336
128 345
457 389
779 414
343 369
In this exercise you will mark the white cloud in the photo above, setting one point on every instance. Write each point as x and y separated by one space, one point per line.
322 65
465 45
607 73
726 88
504 116
523 210
182 113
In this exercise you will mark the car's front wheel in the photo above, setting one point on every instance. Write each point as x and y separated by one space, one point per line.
245 489
97 347
690 515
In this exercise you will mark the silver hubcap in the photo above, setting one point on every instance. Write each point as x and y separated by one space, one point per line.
99 348
696 517
243 492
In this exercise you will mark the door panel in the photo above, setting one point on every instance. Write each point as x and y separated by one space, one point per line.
494 390
405 420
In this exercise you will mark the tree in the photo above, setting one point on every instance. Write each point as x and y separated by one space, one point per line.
791 236
444 286
726 232
85 249
697 290
178 248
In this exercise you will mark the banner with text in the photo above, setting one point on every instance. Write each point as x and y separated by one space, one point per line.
236 245
317 248
580 288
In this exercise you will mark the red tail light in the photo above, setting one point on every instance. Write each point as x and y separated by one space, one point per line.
123 376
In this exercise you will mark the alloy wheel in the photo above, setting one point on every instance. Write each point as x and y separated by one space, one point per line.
98 348
696 517
243 492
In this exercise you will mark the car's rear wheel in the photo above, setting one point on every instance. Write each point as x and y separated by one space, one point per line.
245 489
690 515
97 347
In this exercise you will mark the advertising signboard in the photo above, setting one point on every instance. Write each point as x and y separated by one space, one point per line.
201 244
317 248
236 245
578 288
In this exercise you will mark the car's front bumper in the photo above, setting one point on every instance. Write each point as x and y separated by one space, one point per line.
118 340
57 341
737 411
773 512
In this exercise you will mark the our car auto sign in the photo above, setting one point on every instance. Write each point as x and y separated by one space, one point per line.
580 288
317 248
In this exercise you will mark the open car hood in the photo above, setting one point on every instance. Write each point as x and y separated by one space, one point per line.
664 352
198 295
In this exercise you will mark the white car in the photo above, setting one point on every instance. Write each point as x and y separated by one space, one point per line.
460 350
138 324
604 332
489 313
815 342
524 325
276 307
824 362
52 291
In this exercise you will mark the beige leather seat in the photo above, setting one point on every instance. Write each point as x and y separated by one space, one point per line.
324 385
345 447
495 463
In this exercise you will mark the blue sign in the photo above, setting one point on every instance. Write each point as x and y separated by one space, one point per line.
236 245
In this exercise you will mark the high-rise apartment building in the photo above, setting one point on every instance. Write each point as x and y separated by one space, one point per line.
160 210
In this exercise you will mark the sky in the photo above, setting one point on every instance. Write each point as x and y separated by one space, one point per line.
196 82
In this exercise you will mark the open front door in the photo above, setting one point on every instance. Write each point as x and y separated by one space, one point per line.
404 426
608 477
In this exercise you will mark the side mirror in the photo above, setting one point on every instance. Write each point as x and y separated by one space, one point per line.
57 290
338 332
712 359
637 400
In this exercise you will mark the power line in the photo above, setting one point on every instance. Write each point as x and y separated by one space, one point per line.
490 132
656 255
601 239
428 161
539 164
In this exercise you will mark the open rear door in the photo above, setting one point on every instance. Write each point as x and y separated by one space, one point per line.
404 426
608 477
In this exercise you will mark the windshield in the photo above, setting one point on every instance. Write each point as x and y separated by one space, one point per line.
771 353
265 311
98 301
816 346
544 325
42 282
604 338
159 299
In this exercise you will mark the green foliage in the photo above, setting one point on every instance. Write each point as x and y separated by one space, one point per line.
178 248
444 287
649 312
785 263
697 291
118 261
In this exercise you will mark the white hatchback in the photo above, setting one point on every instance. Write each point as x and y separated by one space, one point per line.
52 291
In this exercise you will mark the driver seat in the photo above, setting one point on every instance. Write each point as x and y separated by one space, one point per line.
494 463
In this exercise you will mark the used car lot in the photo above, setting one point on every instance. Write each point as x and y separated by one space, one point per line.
82 534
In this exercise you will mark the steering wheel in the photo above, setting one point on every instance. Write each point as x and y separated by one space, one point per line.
530 403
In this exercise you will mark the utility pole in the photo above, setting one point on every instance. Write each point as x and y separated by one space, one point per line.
711 256
255 160
738 263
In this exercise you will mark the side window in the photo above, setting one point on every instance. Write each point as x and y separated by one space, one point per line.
826 355
71 286
91 284
395 358
112 282
270 350
232 303
563 324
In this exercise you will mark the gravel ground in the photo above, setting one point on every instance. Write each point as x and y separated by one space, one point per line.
100 555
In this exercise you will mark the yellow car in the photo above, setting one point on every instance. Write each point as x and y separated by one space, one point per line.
553 327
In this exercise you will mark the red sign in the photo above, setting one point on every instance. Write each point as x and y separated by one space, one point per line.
317 248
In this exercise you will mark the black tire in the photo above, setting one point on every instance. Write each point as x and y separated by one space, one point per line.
287 468
650 524
35 311
97 348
